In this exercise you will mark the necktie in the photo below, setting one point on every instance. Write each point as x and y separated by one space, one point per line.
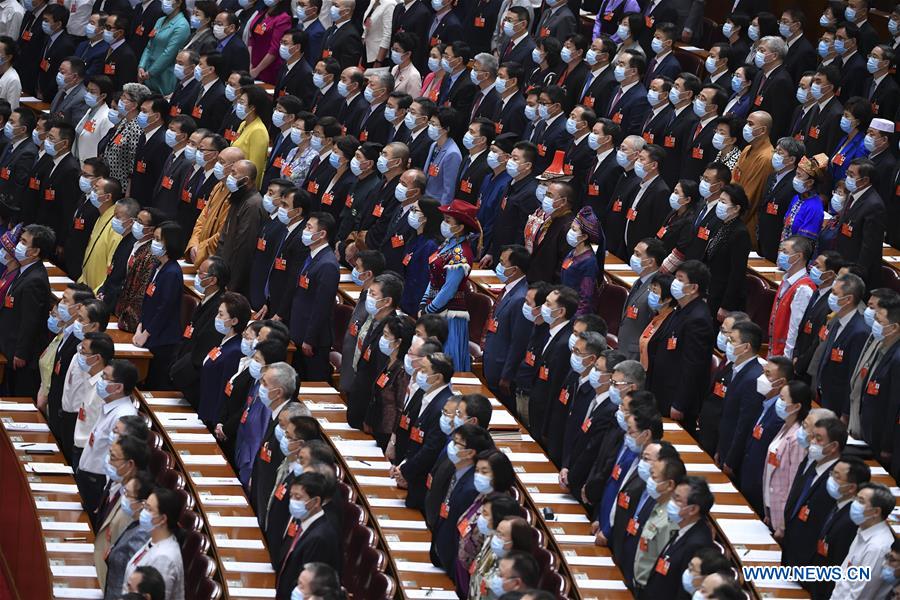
808 477
872 86
587 84
287 556
477 103
615 100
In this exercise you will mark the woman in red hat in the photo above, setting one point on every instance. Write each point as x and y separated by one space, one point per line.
449 268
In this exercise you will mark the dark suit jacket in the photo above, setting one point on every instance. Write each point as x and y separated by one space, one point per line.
550 251
839 357
520 53
510 116
59 50
236 55
861 232
265 466
311 303
281 147
416 19
426 440
352 114
327 104
573 83
344 44
600 91
801 57
93 56
58 195
601 184
158 307
167 195
109 291
149 159
669 67
804 515
64 354
24 313
676 142
79 232
676 557
776 97
142 22
700 152
741 409
755 454
581 449
824 128
448 30
184 97
773 207
437 483
296 82
490 104
631 109
626 505
316 33
32 40
811 327
373 127
578 161
680 372
554 137
198 338
16 165
269 240
853 75
727 264
636 315
210 108
479 23
471 176
566 415
838 533
460 94
655 127
886 97
506 337
319 543
651 212
446 533
552 368
882 384
121 65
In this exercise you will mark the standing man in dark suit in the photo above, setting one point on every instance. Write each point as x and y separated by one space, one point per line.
520 45
17 159
58 192
664 63
680 373
474 168
187 86
688 508
801 56
549 247
200 335
152 150
426 439
143 18
809 503
284 117
838 530
701 144
93 50
605 172
861 222
326 101
310 537
661 113
316 287
649 253
880 88
878 143
777 196
647 206
580 156
24 310
373 127
628 106
507 330
120 61
557 21
857 13
230 45
847 332
600 83
126 211
823 128
342 40
803 113
68 102
743 400
445 27
847 44
487 98
176 169
307 13
353 106
679 134
31 42
773 89
281 381
295 75
269 242
211 105
813 328
457 89
553 365
59 46
550 132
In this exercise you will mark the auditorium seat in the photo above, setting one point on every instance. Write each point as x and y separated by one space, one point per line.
190 521
890 278
189 303
201 567
195 542
341 320
553 582
354 516
689 62
171 479
358 573
611 301
360 537
480 306
154 440
160 461
382 587
759 302
209 590
612 341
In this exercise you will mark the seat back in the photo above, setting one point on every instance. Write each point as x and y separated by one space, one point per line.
190 521
365 568
189 304
480 306
208 590
760 298
612 300
171 479
689 61
195 542
202 567
160 460
340 315
556 584
890 278
154 440
381 587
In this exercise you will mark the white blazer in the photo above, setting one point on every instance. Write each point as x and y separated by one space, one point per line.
90 129
377 24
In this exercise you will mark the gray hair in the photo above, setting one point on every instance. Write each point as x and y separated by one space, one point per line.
593 341
193 56
489 62
882 498
296 409
853 284
136 91
793 147
324 578
633 371
131 206
635 142
284 377
776 45
818 414
385 79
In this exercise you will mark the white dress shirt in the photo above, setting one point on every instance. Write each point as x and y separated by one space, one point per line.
867 550
165 557
798 306
93 458
11 86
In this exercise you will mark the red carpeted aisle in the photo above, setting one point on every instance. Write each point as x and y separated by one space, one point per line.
5 588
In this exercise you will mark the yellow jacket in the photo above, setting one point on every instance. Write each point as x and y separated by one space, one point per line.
253 139
100 249
205 237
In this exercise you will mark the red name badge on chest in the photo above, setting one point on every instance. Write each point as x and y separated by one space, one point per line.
261 244
617 206
564 396
167 182
872 388
280 264
280 491
188 332
82 416
34 183
648 137
367 354
617 472
757 432
445 510
758 100
837 355
214 353
823 333
382 380
466 186
814 133
588 101
140 166
197 112
244 415
662 232
4 173
772 459
631 215
396 241
669 141
428 482
265 454
417 435
45 64
703 233
377 210
292 529
847 230
807 327
586 424
803 513
406 259
26 35
479 22
78 224
544 374
672 343
593 189
719 389
662 565
771 208
566 264
327 198
354 328
623 500
822 547
631 312
58 366
49 194
529 358
228 388
542 149
697 153
433 170
404 422
260 29
492 325
633 526
617 118
151 289
303 282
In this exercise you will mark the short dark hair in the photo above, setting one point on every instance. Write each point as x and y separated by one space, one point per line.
102 345
699 494
124 372
655 250
567 299
441 364
435 327
479 408
238 307
835 430
501 468
476 437
524 567
749 333
136 450
42 237
882 498
313 484
697 273
152 583
518 256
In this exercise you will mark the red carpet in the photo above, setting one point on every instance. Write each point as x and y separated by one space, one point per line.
5 589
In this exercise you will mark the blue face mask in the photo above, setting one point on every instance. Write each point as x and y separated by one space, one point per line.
125 505
654 301
730 353
422 381
137 230
620 420
815 273
157 249
721 341
497 547
784 261
483 485
221 327
857 512
674 512
111 473
643 470
615 395
594 378
190 154
284 446
781 409
453 452
736 83
145 522
846 124
803 438
677 289
255 369
869 316
279 432
484 528
497 585
408 365
143 119
53 324
384 345
687 579
171 138
334 160
833 303
298 509
247 347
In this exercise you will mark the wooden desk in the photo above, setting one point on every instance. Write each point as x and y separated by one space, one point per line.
45 535
891 257
237 543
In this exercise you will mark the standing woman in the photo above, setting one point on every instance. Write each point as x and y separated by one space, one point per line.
141 267
295 166
160 328
738 106
806 212
389 390
8 263
337 190
254 108
201 25
95 123
122 146
678 228
854 123
266 28
580 270
727 253
493 475
792 406
134 493
377 25
222 362
425 217
444 156
546 57
662 303
431 86
449 269
159 517
167 38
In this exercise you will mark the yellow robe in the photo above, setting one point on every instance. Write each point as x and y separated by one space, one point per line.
253 139
208 228
751 172
99 252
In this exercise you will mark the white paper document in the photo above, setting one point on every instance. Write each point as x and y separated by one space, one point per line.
409 546
65 526
754 556
397 524
58 505
431 594
36 446
222 500
732 509
247 567
72 592
49 468
73 570
553 499
539 477
246 592
408 566
372 480
233 543
386 502
27 427
213 481
17 407
191 438
222 521
203 459
590 561
563 538
601 584
58 488
70 547
745 531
